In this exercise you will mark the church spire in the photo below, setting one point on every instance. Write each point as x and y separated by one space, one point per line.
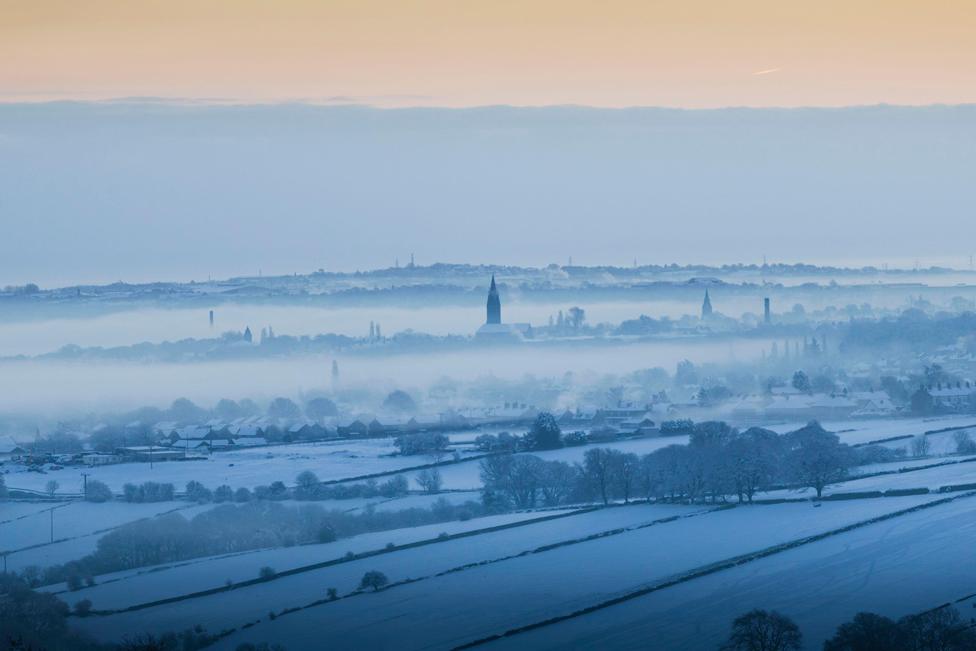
706 306
494 303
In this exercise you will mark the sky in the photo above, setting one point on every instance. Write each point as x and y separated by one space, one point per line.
101 192
185 139
612 53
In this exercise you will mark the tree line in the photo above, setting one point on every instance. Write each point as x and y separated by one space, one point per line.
719 461
231 528
940 629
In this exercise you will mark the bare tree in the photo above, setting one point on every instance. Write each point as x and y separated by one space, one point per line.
920 446
597 472
429 480
817 457
759 630
557 481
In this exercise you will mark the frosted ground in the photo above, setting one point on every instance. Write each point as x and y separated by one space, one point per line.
239 468
341 460
515 589
125 589
237 607
897 567
443 611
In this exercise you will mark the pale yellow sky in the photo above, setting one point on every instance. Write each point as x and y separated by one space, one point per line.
688 53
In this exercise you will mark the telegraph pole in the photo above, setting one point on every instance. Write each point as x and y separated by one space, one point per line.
85 475
52 524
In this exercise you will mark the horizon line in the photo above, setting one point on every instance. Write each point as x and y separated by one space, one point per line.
355 103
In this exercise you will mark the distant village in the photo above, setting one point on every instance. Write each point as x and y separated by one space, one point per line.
856 393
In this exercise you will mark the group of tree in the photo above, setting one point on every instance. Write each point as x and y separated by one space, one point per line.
308 487
941 629
229 528
544 434
148 491
433 444
718 462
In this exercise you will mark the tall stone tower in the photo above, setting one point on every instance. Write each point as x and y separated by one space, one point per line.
706 306
494 304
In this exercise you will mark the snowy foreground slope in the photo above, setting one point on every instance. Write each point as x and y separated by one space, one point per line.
897 567
237 607
442 609
120 590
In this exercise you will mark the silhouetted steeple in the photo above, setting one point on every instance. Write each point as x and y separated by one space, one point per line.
494 304
706 306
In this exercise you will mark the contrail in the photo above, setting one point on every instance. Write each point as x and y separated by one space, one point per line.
765 72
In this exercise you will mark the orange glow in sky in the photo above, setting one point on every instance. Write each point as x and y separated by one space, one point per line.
688 53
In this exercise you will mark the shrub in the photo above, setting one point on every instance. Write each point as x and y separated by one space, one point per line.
575 438
266 573
964 443
74 583
197 492
223 493
677 427
83 607
394 487
98 492
326 534
242 495
421 443
332 593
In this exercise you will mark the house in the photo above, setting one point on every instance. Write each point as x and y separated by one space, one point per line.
623 412
148 453
958 397
355 429
9 450
873 403
249 441
100 459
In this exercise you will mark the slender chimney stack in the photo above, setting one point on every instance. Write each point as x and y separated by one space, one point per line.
767 318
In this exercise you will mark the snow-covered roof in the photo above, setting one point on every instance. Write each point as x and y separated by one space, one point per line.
951 392
250 441
8 445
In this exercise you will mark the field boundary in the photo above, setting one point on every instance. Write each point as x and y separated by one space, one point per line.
709 569
342 559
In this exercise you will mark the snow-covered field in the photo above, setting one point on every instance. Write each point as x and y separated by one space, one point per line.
931 478
897 567
237 607
863 431
239 468
10 512
508 592
124 589
445 611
